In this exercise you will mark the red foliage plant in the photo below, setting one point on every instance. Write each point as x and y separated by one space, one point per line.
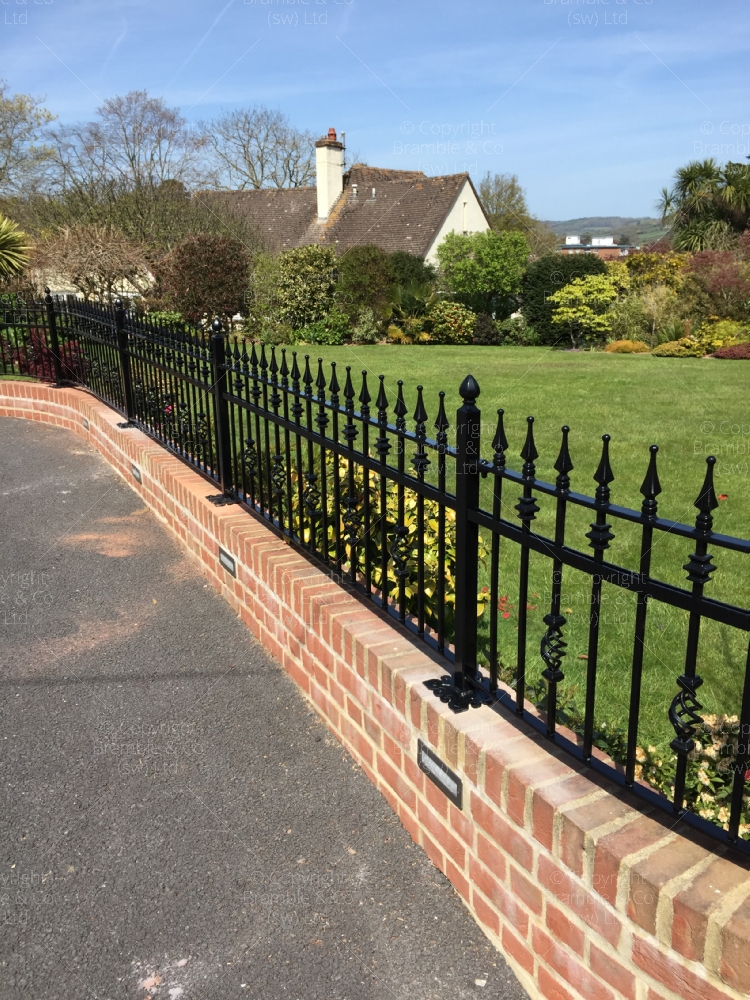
205 276
736 352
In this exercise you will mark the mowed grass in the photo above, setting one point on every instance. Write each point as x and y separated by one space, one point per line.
690 408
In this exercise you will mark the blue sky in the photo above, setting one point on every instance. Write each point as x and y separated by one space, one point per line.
592 104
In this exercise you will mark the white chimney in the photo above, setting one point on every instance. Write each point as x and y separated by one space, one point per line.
329 162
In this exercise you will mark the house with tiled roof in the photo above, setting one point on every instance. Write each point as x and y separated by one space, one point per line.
391 209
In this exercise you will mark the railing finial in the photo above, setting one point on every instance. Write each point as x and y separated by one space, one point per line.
469 389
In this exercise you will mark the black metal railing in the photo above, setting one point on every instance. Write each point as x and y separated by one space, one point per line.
416 523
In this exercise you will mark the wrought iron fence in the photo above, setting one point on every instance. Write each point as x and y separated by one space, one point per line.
355 480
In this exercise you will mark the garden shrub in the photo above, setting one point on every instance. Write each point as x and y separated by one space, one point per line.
627 347
365 329
205 276
305 284
549 274
736 352
330 331
407 269
274 333
365 278
684 348
516 331
716 333
486 332
452 323
413 330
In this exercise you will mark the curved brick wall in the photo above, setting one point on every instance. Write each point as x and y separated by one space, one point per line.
585 894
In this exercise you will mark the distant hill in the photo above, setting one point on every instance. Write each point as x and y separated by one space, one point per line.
638 231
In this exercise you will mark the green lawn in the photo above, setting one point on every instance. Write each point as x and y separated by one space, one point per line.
690 408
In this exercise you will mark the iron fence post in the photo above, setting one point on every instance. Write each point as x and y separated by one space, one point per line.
468 429
219 378
54 344
122 350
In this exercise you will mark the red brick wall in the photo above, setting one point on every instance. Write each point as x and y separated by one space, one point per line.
586 894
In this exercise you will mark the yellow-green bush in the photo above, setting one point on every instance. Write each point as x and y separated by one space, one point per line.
686 347
716 333
627 347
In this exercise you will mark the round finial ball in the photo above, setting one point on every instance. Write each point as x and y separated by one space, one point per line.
216 325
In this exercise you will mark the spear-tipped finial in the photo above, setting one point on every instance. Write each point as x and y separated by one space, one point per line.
307 379
254 359
529 453
382 401
400 408
284 369
420 414
348 386
469 389
500 441
564 463
273 366
320 381
295 372
441 423
334 383
707 501
651 487
364 396
604 474
263 359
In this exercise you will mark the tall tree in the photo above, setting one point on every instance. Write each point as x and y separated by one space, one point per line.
22 151
504 202
484 270
97 260
131 167
257 147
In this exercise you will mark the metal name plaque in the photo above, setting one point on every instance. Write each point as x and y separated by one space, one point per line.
227 562
136 473
85 423
440 774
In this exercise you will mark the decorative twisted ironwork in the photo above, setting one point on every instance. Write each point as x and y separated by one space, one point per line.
311 496
684 714
553 648
401 550
250 458
278 481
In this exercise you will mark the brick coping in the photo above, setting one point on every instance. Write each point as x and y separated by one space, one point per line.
586 892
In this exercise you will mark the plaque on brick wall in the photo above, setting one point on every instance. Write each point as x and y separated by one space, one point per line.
227 562
440 774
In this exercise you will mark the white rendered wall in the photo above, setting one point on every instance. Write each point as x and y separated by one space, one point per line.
466 216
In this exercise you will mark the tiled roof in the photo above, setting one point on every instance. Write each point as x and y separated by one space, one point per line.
405 214
282 215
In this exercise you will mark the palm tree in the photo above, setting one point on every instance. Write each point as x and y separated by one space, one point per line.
708 206
14 248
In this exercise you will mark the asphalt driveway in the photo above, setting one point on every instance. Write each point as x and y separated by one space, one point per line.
176 822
